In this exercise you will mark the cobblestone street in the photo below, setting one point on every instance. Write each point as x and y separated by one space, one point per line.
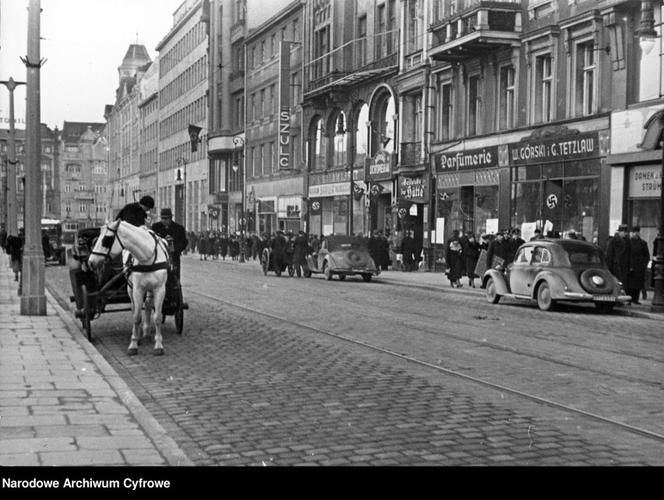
244 388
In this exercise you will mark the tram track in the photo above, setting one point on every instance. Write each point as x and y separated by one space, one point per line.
659 437
408 321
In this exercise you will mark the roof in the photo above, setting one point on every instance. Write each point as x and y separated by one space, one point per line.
136 56
73 131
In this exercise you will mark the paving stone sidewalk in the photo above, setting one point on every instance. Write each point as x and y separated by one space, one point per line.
61 403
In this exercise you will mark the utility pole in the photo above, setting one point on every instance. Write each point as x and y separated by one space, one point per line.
33 299
10 199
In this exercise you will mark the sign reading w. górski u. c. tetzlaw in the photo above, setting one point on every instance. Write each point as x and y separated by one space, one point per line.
558 148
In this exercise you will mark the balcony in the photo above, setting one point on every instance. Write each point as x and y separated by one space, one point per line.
480 27
351 64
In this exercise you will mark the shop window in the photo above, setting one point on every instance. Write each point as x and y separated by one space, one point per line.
319 145
361 135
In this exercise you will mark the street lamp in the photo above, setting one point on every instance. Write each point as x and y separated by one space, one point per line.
239 142
182 163
10 198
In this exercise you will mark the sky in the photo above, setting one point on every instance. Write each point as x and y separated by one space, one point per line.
83 42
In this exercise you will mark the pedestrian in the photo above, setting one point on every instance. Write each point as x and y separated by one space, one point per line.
300 252
407 251
470 249
454 259
3 238
537 235
617 253
46 245
499 251
639 257
175 234
383 252
278 246
515 242
223 245
15 251
202 246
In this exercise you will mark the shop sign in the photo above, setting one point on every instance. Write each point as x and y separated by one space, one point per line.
414 189
467 160
284 138
571 147
335 176
645 181
379 168
323 190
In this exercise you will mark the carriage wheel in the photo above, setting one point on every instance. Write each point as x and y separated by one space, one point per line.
179 314
85 319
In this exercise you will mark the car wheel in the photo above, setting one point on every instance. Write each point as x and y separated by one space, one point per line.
307 273
604 308
491 295
327 272
341 277
366 277
544 300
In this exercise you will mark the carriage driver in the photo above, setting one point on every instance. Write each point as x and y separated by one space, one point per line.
174 233
136 213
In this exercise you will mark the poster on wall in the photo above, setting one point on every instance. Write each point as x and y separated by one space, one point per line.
491 226
440 231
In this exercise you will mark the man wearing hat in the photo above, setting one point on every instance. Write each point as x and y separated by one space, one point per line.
136 213
617 253
639 257
174 233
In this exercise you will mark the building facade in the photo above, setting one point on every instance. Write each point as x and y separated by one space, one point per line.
50 185
83 175
350 114
183 102
123 131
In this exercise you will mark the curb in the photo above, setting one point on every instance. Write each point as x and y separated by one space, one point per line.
163 443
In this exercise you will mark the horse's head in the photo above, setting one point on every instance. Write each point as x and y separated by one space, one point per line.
107 245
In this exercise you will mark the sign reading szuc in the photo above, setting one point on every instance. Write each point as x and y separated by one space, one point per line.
284 138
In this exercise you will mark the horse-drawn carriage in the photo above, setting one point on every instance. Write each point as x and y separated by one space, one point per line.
94 290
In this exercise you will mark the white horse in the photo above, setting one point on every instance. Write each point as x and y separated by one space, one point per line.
146 284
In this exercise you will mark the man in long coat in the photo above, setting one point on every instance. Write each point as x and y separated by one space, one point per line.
278 245
300 251
639 257
617 253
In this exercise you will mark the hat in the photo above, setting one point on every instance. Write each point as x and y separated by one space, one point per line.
147 201
623 227
166 212
636 229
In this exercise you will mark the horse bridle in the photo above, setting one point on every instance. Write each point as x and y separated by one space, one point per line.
107 255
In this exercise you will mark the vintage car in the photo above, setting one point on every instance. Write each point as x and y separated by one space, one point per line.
548 271
342 256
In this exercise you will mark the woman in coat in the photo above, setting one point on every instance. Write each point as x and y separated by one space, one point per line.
454 258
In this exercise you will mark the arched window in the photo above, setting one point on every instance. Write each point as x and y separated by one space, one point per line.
318 141
383 131
340 140
361 135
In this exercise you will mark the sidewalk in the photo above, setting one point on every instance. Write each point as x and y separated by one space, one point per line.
436 281
61 403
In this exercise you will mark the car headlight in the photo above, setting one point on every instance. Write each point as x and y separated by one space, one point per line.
597 280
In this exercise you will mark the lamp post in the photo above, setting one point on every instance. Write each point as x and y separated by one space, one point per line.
10 199
239 142
33 298
183 163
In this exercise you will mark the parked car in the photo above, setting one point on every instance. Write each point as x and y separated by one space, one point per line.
342 256
548 271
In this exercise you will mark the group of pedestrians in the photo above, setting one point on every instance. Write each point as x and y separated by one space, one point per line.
216 244
462 251
13 246
627 257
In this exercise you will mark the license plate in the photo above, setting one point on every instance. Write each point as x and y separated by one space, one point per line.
604 298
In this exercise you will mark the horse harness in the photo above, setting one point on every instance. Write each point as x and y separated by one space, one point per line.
107 242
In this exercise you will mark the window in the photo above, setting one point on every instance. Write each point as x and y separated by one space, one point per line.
381 47
543 89
474 101
445 111
506 97
584 88
362 41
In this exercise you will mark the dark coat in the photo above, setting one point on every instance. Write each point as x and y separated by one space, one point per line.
454 258
175 231
407 249
471 252
617 257
499 248
639 257
300 249
15 247
374 249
